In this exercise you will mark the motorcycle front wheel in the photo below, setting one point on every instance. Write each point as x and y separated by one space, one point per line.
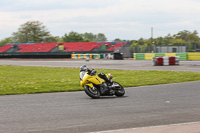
119 91
92 92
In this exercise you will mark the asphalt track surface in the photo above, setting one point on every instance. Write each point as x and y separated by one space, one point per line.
193 66
75 112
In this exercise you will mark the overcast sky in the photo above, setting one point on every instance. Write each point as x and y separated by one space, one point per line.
124 19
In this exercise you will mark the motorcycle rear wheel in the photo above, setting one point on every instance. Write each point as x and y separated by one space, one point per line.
119 92
92 92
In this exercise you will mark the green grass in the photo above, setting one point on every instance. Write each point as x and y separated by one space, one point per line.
25 80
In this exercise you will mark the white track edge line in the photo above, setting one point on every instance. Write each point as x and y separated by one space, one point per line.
118 130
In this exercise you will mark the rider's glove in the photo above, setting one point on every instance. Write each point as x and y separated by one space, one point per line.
93 72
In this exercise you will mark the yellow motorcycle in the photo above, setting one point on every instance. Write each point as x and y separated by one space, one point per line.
94 86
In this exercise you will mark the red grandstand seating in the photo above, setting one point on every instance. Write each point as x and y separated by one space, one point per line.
46 47
81 46
5 48
38 47
27 48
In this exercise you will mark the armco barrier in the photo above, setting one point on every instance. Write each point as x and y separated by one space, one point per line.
139 56
149 56
170 54
183 56
193 56
159 54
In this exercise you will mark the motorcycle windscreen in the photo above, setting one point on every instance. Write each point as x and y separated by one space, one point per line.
81 75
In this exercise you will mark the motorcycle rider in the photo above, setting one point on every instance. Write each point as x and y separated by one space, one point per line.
84 69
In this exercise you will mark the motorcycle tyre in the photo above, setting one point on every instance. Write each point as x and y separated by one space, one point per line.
120 93
90 94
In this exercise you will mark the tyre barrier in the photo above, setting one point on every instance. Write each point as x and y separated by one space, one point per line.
165 60
114 56
86 56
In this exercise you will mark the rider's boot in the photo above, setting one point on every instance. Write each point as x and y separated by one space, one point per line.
108 81
110 86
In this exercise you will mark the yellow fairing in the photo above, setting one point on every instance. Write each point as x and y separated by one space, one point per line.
87 79
108 75
90 85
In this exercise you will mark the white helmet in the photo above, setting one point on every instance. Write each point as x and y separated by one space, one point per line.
83 68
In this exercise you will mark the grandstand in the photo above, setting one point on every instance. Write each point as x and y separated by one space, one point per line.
68 47
65 48
37 47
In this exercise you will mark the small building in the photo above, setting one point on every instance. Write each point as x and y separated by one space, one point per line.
170 49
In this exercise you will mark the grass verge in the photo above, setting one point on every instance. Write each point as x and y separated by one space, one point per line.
25 80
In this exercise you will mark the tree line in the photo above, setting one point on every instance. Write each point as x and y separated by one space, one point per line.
183 38
36 32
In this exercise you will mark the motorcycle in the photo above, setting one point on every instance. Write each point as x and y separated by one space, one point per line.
94 86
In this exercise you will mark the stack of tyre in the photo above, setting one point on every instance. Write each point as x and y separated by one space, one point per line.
165 60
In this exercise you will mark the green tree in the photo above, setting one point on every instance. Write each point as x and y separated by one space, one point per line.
89 37
100 37
141 41
6 41
177 42
138 43
182 35
86 37
117 40
191 39
32 32
158 41
72 37
52 39
167 39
